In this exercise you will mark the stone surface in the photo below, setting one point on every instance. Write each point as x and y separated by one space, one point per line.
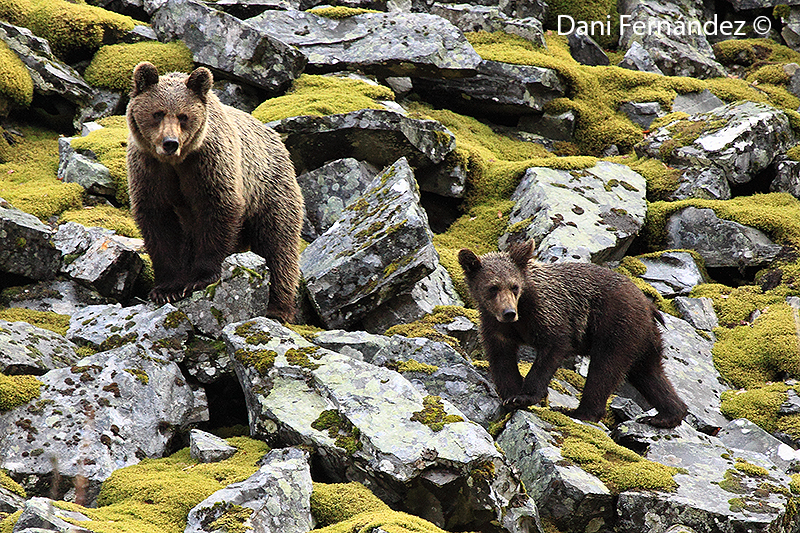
642 113
721 243
586 51
580 215
26 349
89 174
699 312
41 514
60 296
208 448
559 127
376 136
26 245
384 44
490 18
697 102
637 58
742 434
787 176
279 496
672 273
224 43
379 248
360 419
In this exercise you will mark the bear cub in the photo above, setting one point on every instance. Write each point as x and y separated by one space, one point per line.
206 180
562 310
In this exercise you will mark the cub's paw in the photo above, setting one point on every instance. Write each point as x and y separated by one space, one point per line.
166 295
661 421
520 401
578 414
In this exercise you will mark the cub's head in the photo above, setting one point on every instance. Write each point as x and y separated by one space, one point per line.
167 114
496 280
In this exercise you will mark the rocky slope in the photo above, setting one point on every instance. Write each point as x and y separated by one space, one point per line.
416 128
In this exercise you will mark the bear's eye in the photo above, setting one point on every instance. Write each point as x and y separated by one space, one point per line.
493 290
158 115
183 119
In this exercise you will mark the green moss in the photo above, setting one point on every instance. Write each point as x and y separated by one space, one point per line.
309 333
141 375
74 29
117 219
28 177
390 521
233 519
618 467
424 327
110 144
299 357
748 52
323 95
261 360
345 434
337 502
412 365
42 319
251 335
793 153
794 484
7 523
588 11
112 65
17 390
156 495
175 319
759 405
16 85
433 414
11 485
339 12
750 469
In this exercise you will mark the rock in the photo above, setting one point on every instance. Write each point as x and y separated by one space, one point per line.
278 497
742 434
89 174
207 361
105 412
60 296
241 292
376 136
26 349
672 273
243 97
566 494
559 127
427 293
642 113
26 245
698 312
379 248
364 423
329 189
584 215
733 143
696 103
61 85
675 52
259 58
208 448
586 51
383 44
721 243
41 514
712 494
638 436
110 264
637 58
792 404
787 176
10 502
163 330
490 18
245 9
497 88
103 103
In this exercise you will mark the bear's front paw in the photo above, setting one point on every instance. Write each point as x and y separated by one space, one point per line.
167 295
519 401
201 283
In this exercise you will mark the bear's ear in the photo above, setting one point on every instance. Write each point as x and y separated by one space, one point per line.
200 81
470 262
521 254
144 75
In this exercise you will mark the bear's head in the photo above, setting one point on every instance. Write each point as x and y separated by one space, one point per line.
497 280
167 114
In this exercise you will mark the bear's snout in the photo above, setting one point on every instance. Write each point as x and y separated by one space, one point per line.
509 315
170 145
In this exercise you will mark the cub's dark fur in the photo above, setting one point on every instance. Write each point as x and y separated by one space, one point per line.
566 309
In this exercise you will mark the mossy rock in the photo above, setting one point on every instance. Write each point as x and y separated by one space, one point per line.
748 52
105 216
112 65
109 144
388 520
42 319
424 327
587 11
16 85
16 391
339 12
75 30
9 484
337 502
323 95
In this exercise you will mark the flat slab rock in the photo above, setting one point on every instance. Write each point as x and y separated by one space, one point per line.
26 349
361 420
384 44
588 215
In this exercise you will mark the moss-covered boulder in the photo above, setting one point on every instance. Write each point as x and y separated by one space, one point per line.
112 65
27 349
26 248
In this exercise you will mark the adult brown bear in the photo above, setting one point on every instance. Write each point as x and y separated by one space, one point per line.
565 309
206 180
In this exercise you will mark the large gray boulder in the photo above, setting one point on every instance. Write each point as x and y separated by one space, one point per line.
226 44
490 18
26 349
721 243
379 248
672 273
278 497
384 44
578 215
105 412
62 296
379 137
369 424
26 245
724 147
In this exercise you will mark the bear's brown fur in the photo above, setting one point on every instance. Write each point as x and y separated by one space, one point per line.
562 310
206 180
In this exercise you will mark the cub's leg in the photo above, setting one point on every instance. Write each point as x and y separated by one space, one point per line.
648 377
501 352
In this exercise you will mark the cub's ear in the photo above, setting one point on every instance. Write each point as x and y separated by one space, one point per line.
470 262
200 81
521 254
144 75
